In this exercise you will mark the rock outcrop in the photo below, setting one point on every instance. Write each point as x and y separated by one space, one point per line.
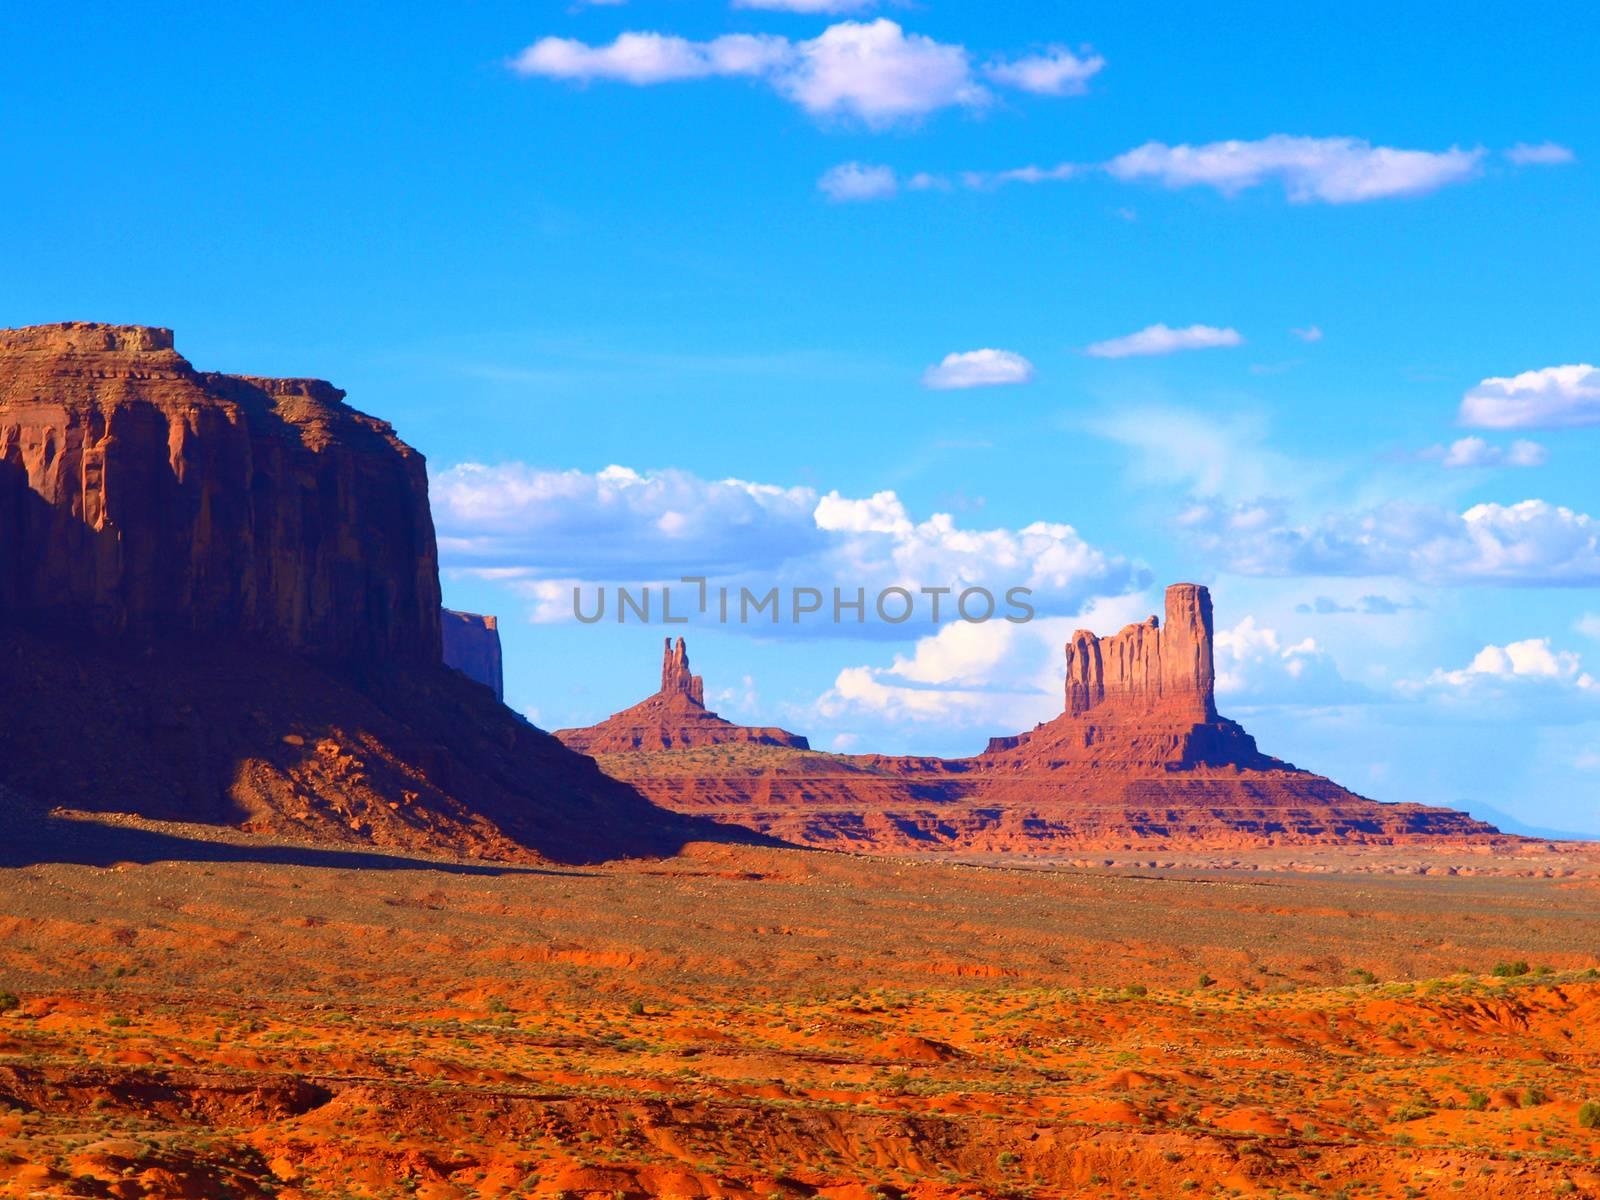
1138 760
472 646
140 496
675 718
219 601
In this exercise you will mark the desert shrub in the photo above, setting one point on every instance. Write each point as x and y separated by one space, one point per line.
636 1007
1532 1097
1512 970
118 1022
1008 1159
1477 1101
1205 980
9 1001
1589 1115
1362 975
1137 989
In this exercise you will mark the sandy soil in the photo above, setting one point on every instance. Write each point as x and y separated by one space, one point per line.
205 1014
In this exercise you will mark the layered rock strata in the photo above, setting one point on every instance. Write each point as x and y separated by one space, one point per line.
1138 760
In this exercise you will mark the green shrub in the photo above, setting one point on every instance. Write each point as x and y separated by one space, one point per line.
9 1001
1512 970
1477 1101
1589 1115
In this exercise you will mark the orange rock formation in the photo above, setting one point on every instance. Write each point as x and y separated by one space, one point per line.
219 601
1139 759
675 718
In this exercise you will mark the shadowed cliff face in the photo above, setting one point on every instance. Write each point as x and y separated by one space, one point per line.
138 495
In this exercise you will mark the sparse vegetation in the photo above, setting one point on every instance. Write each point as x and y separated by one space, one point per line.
1512 970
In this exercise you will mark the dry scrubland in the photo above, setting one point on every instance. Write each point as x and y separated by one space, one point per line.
224 1016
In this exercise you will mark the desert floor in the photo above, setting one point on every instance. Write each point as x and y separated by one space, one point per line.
205 1014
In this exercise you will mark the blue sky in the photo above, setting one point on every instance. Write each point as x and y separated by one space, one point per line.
739 245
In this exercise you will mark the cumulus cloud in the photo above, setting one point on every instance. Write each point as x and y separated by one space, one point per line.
1334 170
978 368
1529 543
1551 398
1540 154
545 531
872 71
1475 452
853 181
1257 667
878 72
647 58
1162 339
1056 72
1310 333
1532 658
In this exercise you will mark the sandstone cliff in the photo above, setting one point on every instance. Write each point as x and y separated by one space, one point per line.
675 718
138 495
472 646
219 601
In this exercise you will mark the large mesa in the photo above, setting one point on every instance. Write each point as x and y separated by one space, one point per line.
220 602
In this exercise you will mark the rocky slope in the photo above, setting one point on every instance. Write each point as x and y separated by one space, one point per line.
1138 759
675 718
219 601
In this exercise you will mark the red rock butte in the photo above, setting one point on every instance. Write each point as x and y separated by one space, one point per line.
675 718
219 602
1139 759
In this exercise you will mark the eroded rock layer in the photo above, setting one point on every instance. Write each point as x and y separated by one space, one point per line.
138 495
675 718
1139 759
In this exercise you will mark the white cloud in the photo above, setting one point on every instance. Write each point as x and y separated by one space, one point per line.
978 368
1542 154
1311 333
879 73
1255 667
1475 452
1529 659
1589 625
648 58
1161 339
984 180
1335 170
827 7
1551 398
1532 542
996 677
857 181
546 530
1057 72
872 71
